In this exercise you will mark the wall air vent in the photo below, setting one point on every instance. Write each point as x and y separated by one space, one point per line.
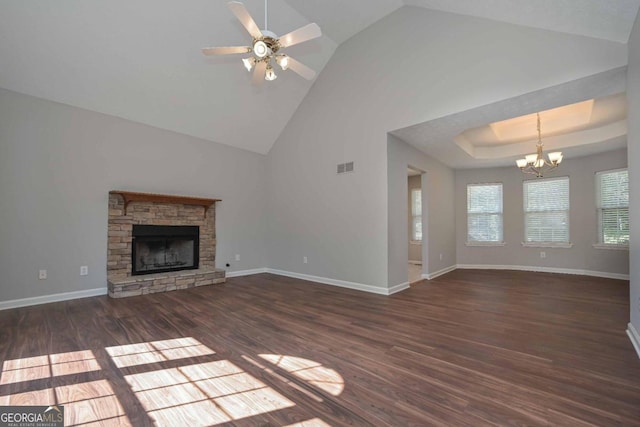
345 167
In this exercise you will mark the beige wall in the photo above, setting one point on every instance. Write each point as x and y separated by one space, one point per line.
582 222
57 166
362 95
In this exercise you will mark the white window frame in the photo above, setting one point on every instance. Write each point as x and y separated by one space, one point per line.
416 216
546 244
499 212
601 244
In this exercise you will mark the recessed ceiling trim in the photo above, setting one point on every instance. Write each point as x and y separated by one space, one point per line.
560 119
575 139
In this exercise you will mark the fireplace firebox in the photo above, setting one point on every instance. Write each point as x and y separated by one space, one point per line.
162 248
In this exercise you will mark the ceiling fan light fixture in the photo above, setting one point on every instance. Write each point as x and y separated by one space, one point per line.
283 61
266 46
249 63
260 49
270 75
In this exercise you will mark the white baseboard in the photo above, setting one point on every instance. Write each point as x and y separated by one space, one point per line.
398 288
438 273
24 302
634 337
240 273
324 280
415 262
603 274
340 283
633 334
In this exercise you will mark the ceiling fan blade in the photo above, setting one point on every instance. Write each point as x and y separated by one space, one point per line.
301 69
300 35
225 50
245 19
258 73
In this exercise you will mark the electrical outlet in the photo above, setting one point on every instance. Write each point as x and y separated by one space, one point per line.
84 270
237 257
42 274
543 254
304 259
440 257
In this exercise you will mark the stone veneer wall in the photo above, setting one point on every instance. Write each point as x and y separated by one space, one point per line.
120 281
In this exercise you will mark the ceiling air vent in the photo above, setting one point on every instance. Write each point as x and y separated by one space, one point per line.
345 167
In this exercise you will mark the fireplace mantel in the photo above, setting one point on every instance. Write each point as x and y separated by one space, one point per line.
129 197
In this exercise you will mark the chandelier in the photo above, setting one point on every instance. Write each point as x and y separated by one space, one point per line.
536 164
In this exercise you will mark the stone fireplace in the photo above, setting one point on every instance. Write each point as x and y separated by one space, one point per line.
160 243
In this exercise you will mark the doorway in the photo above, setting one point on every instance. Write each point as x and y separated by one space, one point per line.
415 229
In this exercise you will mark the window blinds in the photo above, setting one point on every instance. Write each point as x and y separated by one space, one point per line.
613 207
484 213
546 209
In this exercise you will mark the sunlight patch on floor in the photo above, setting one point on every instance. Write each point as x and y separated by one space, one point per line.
157 351
219 389
36 397
311 372
198 394
91 402
85 404
39 367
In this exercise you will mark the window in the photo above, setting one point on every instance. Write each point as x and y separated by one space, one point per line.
416 215
546 211
484 213
612 195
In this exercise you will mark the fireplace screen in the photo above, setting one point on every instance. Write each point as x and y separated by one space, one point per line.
162 248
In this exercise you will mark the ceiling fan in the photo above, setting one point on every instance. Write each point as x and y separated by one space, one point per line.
267 46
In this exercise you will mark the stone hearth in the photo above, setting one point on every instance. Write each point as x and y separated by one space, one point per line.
127 209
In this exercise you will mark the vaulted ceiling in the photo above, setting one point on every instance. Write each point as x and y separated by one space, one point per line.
140 60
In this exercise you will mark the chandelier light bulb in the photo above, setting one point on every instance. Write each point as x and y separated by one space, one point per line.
555 157
521 163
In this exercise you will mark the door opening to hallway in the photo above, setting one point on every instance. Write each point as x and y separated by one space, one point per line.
414 178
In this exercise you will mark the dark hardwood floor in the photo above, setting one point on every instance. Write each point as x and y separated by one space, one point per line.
470 348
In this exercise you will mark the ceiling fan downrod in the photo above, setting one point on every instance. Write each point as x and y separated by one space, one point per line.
266 21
